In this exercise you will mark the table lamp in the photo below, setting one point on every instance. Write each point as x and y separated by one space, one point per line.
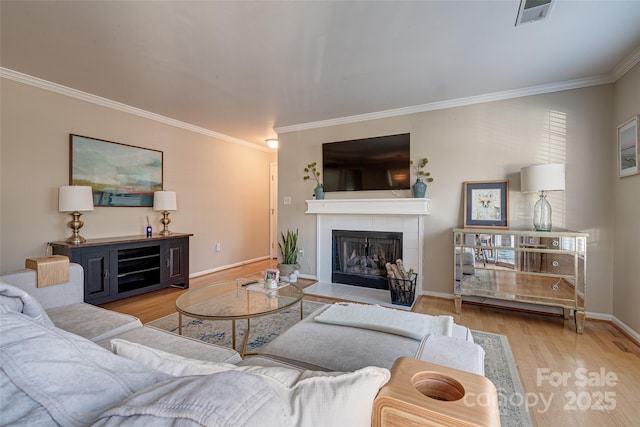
542 178
165 201
75 199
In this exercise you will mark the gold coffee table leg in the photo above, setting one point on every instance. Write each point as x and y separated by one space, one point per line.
243 352
233 334
179 323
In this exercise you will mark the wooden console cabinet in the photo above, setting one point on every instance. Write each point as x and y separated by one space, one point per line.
536 267
120 267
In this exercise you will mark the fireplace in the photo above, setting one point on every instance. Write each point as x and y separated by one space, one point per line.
359 257
398 215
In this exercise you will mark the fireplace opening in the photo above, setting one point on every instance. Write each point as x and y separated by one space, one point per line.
359 257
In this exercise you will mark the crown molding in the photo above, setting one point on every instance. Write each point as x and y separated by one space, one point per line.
626 64
104 102
460 102
620 70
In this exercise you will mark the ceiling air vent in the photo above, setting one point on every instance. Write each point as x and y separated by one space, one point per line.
533 10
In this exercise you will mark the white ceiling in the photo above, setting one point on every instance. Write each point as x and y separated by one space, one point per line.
242 68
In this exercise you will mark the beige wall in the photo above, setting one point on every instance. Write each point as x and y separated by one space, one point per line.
222 188
626 273
489 141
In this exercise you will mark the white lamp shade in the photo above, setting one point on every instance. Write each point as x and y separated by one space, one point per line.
72 198
164 201
542 178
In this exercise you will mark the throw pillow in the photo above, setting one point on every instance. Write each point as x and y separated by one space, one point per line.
312 398
163 361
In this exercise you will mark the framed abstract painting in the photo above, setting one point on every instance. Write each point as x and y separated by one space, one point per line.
118 174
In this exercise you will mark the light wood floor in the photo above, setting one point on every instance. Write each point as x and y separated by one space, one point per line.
568 378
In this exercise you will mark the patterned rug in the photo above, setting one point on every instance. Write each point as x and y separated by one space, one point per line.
500 365
263 329
500 368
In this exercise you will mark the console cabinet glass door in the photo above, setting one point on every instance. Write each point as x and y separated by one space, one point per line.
545 268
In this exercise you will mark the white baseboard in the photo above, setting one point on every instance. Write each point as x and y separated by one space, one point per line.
436 294
632 333
225 267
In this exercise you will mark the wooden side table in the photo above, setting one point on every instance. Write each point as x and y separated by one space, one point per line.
424 394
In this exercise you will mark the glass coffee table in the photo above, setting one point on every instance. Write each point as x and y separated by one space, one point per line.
237 299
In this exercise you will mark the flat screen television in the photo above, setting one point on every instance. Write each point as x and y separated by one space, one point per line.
379 163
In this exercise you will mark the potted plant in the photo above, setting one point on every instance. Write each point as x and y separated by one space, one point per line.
311 171
289 249
420 188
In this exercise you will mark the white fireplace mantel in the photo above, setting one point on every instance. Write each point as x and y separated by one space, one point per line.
397 206
405 215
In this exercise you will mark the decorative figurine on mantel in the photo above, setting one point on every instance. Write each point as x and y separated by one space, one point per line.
313 172
420 188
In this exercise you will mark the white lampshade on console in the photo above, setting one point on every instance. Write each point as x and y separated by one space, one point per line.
75 199
542 178
165 201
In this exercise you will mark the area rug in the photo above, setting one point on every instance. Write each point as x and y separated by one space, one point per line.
263 328
500 368
500 365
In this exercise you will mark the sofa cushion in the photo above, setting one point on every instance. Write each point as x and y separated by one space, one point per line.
91 322
224 399
317 344
175 344
312 398
452 352
52 374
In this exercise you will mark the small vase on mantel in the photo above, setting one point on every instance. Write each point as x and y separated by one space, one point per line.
419 188
319 192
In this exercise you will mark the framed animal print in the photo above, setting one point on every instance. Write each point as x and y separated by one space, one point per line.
486 204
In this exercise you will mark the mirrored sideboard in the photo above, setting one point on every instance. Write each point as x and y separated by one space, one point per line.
534 267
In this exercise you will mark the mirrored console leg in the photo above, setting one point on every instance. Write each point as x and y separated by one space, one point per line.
458 303
580 318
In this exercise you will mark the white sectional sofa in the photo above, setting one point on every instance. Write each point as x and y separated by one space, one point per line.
64 305
68 363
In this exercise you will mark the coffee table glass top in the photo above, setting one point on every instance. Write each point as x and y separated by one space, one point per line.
230 300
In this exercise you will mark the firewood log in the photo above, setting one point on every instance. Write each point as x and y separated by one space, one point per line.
401 269
400 279
391 275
